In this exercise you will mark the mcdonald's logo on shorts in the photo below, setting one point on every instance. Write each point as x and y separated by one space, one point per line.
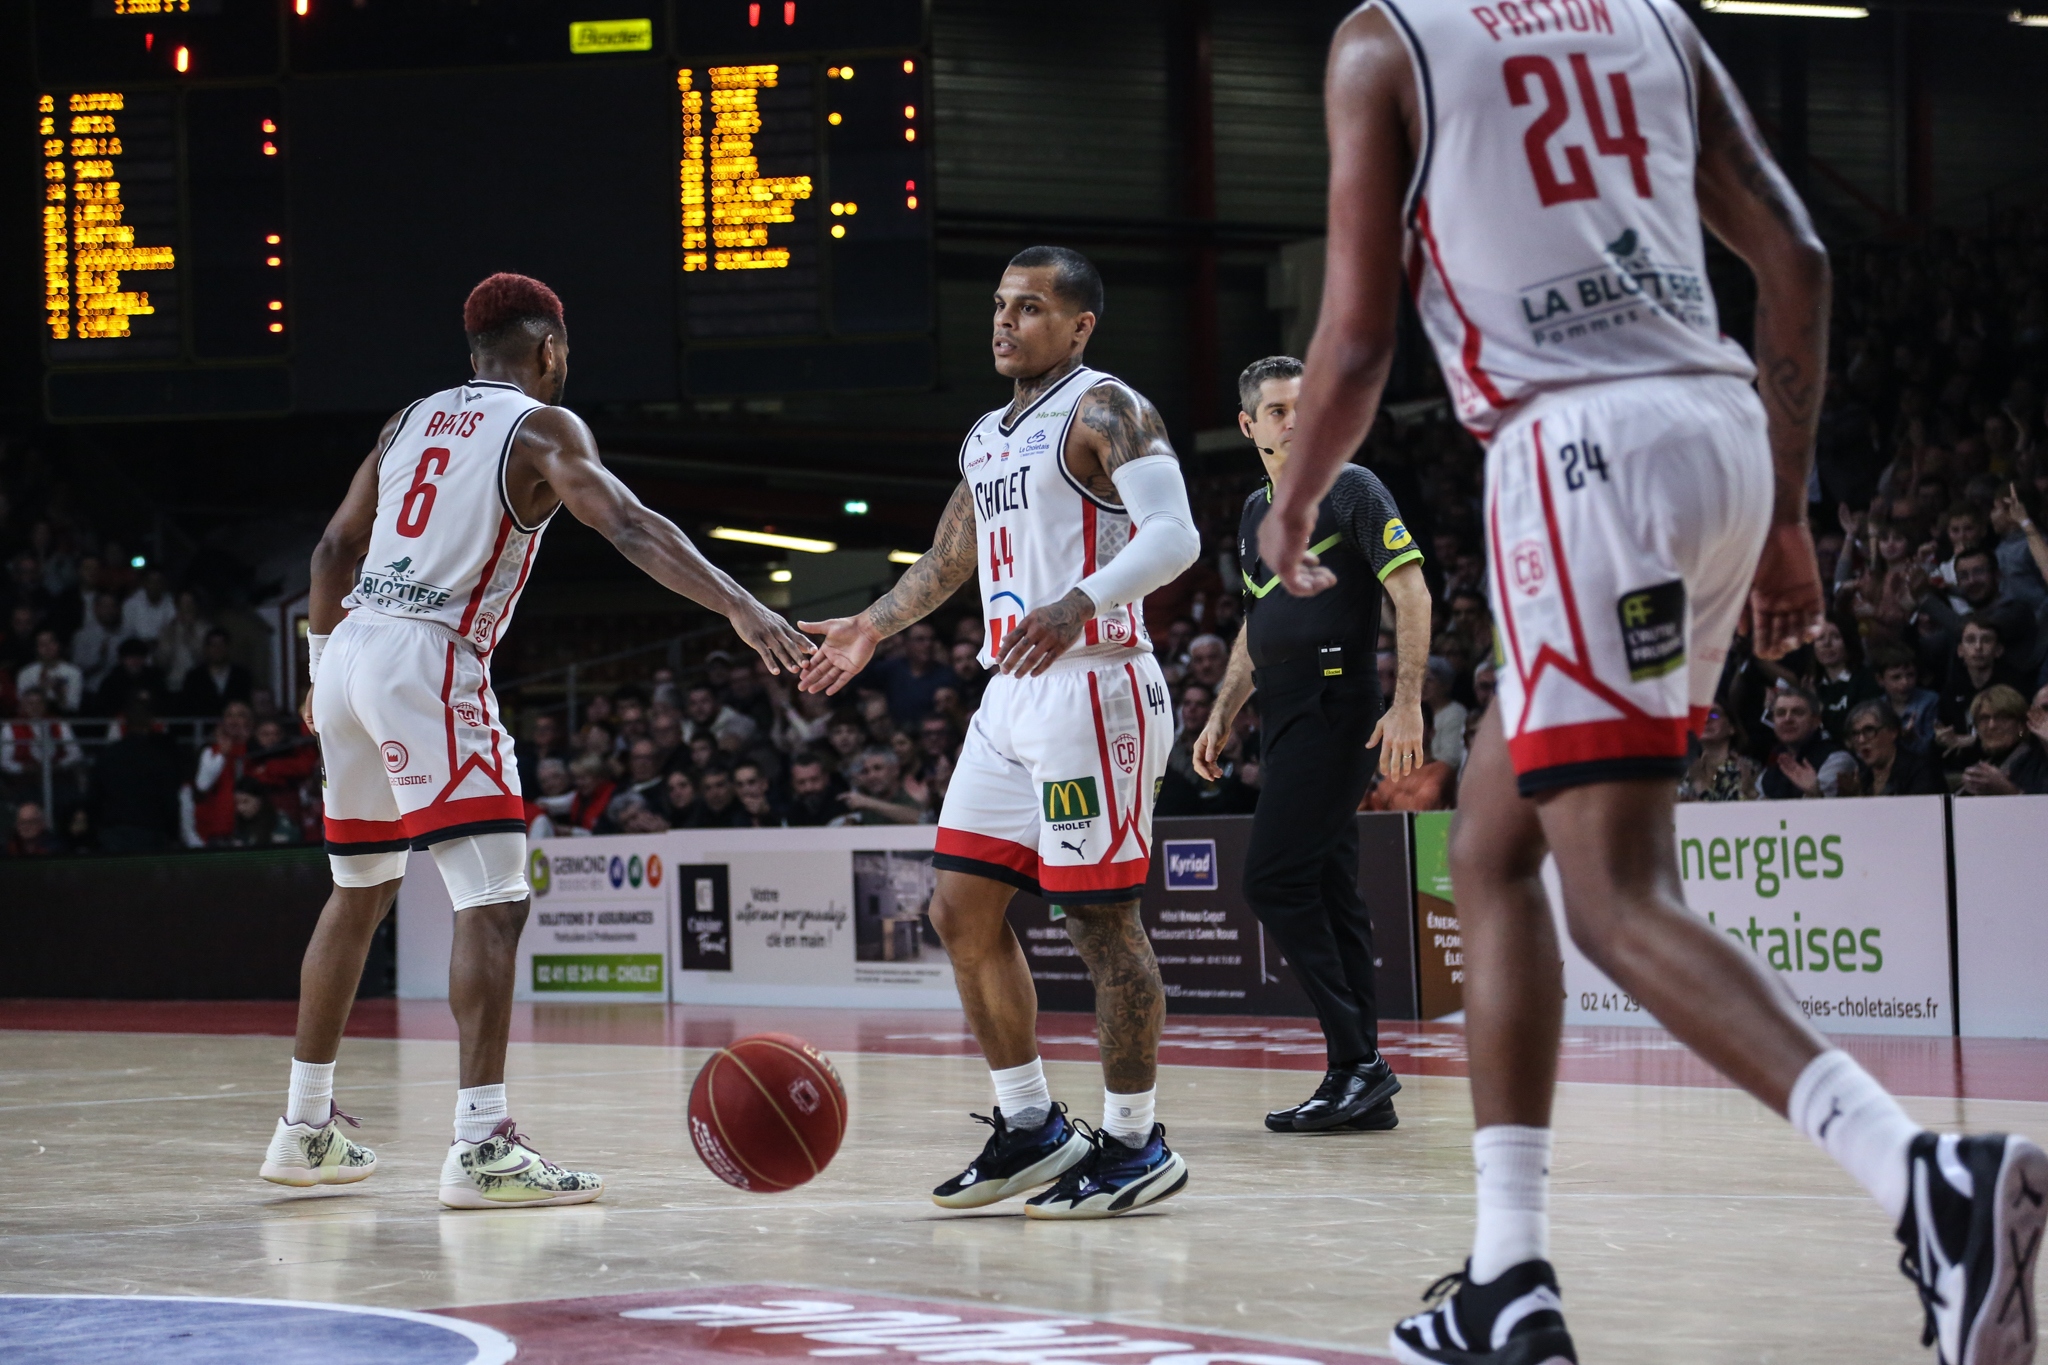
1073 799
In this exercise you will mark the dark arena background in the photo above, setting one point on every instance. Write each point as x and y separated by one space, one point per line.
236 236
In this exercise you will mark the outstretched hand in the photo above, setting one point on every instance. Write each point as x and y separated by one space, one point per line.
1785 598
768 635
849 642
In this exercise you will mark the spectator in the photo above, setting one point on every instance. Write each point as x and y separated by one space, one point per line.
631 717
1839 683
878 797
543 741
1916 708
256 823
283 763
179 648
133 673
135 783
967 668
25 586
2012 758
812 801
148 609
800 717
1977 589
644 777
35 742
1804 761
2021 551
1448 743
909 679
703 712
847 736
717 798
1979 663
74 606
1717 771
936 739
219 772
1885 766
1483 683
679 802
1208 657
549 799
18 643
630 813
755 810
665 728
32 836
1182 789
1433 786
745 694
591 776
217 680
1472 619
59 681
95 648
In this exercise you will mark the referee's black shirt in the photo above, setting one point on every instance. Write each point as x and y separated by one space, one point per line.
1359 536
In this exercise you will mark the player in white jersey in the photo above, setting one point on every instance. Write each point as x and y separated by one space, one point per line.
413 585
1541 169
1071 508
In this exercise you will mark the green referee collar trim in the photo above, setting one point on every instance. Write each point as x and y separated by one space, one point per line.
1412 557
1316 549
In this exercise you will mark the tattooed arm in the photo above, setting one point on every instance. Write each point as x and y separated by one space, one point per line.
938 573
1119 452
1747 202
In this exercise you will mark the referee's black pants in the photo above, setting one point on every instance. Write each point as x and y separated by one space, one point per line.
1301 871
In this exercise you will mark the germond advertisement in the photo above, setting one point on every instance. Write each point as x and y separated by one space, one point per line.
1846 900
599 927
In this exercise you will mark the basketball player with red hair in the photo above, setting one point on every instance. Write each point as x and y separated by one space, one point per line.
413 585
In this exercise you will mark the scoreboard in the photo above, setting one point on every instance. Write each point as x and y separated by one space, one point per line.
262 206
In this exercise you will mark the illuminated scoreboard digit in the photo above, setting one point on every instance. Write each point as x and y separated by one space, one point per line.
804 212
109 224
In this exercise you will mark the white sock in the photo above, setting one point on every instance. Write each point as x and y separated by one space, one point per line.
1514 1199
1128 1118
478 1110
310 1099
1022 1095
1851 1117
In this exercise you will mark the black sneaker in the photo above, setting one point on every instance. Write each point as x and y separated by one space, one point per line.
1972 1233
1346 1093
1015 1160
1115 1178
1517 1319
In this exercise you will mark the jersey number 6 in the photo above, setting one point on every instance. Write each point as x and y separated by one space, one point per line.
418 503
1557 108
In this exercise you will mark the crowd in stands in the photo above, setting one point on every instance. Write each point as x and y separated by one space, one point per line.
1930 675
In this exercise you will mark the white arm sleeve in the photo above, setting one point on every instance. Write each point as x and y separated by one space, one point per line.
1163 539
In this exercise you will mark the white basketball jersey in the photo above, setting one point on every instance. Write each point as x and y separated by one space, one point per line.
1553 236
446 547
1039 532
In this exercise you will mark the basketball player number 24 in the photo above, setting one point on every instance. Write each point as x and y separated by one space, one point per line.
1521 72
418 503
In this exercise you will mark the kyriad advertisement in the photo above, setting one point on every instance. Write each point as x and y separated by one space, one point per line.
1846 900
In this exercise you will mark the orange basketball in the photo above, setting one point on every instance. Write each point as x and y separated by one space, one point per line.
767 1113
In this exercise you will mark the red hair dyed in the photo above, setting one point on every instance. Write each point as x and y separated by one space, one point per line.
505 299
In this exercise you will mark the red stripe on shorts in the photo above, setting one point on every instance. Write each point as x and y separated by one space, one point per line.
468 811
1092 876
341 831
960 843
1595 740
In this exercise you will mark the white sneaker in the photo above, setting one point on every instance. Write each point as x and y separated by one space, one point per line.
301 1155
503 1171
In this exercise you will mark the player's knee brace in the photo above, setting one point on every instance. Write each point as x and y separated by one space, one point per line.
483 869
367 869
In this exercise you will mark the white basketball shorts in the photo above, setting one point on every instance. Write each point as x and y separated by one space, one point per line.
1623 525
414 750
1053 792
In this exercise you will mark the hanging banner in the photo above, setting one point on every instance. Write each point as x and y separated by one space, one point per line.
599 926
2001 932
1846 900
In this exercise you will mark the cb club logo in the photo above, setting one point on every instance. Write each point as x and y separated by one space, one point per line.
395 756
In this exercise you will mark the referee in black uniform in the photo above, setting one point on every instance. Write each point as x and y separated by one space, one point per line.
1314 662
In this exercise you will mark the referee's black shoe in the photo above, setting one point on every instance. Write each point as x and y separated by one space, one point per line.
1346 1094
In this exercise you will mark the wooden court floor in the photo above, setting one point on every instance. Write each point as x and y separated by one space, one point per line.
1690 1224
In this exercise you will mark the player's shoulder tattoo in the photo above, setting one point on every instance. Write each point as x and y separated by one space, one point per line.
1130 427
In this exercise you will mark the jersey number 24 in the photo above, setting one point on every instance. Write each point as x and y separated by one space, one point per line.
1623 139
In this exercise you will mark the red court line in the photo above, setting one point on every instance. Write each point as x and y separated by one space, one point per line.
1946 1068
